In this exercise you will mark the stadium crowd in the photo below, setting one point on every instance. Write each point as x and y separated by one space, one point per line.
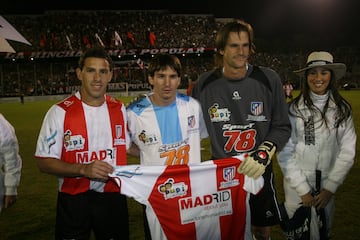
59 31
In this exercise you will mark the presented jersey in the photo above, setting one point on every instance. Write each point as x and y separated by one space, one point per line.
167 135
241 113
75 132
199 201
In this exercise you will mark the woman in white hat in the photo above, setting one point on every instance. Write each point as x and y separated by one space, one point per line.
323 141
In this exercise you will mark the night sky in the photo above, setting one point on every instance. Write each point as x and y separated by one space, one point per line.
330 20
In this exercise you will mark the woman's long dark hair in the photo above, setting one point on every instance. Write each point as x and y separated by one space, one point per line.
343 111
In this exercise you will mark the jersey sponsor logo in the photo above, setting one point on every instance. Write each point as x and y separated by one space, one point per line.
257 109
170 189
68 103
171 146
90 156
73 142
50 141
217 114
236 95
228 175
129 173
197 208
231 127
118 140
269 214
146 138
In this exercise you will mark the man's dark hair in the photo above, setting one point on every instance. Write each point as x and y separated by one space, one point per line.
163 60
222 37
97 52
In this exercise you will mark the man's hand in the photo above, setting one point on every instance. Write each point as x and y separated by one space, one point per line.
97 170
256 162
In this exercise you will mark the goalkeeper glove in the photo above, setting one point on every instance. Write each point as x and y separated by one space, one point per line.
256 162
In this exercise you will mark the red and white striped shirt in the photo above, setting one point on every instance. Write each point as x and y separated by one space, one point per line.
78 133
199 201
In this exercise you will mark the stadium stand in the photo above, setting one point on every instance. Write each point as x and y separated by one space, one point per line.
132 37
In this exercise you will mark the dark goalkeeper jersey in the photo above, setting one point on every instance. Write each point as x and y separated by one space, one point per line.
241 113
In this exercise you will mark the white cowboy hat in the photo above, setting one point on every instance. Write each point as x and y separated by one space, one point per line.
325 60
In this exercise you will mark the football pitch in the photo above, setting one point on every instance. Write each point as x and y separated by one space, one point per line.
33 215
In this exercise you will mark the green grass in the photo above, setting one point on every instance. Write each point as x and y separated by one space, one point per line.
33 216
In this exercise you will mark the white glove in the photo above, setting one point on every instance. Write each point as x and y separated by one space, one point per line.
256 162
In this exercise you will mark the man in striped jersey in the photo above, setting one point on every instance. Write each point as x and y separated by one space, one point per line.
81 139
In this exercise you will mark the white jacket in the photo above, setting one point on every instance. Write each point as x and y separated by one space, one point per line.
10 161
333 152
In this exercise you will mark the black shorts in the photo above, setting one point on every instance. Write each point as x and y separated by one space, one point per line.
264 206
106 214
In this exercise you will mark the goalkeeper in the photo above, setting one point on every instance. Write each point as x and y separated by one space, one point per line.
245 112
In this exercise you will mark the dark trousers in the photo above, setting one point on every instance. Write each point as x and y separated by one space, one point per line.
106 214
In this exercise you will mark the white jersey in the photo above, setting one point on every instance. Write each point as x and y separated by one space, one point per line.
167 135
199 201
10 160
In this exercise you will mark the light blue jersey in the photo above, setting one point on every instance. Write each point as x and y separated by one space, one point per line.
167 135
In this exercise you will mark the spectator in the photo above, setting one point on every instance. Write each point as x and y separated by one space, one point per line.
288 89
10 164
191 84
